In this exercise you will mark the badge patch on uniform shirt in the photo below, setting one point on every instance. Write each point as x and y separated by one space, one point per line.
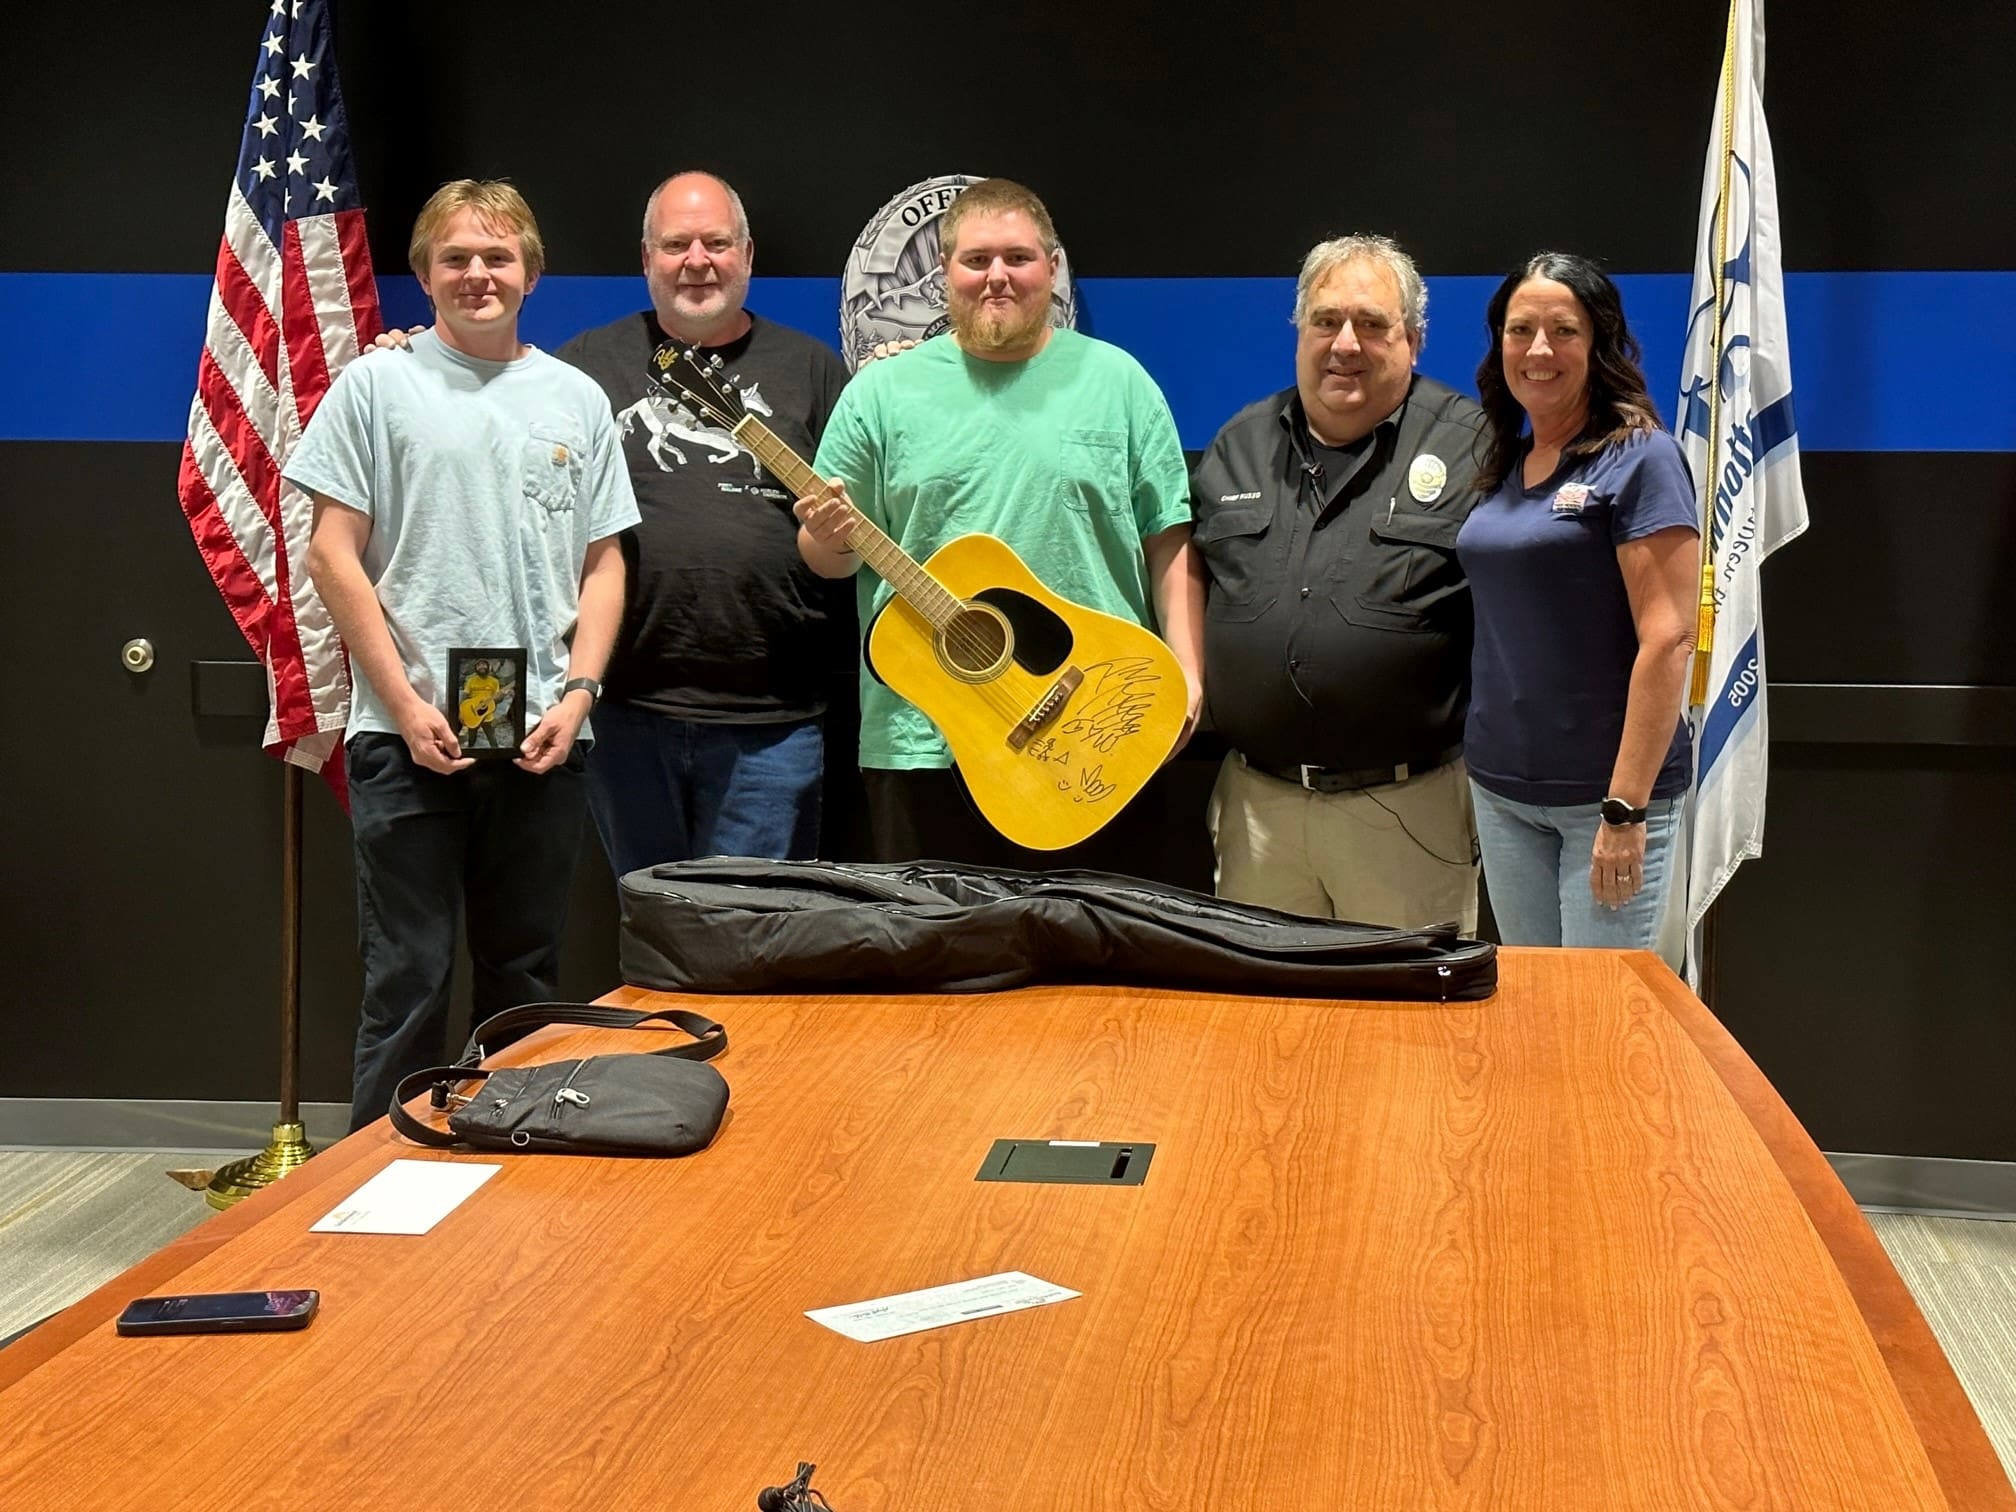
1427 478
559 456
1570 497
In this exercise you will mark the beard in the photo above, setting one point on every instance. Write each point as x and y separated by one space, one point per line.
685 305
983 331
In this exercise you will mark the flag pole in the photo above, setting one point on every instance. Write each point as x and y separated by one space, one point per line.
1704 631
1704 627
289 1145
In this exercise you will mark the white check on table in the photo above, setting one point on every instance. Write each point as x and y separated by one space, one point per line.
407 1197
938 1306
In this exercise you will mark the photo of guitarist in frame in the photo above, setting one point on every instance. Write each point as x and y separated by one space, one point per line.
1063 448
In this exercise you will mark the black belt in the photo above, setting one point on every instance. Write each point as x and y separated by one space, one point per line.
1331 780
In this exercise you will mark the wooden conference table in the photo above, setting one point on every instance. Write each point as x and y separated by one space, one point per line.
1562 1249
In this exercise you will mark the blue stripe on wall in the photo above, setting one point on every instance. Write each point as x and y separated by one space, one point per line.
112 357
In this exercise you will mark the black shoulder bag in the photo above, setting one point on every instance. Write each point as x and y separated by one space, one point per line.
659 1103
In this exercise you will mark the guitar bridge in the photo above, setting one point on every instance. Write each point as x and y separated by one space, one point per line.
1047 708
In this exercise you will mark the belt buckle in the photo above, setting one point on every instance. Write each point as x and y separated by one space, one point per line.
1309 774
1400 772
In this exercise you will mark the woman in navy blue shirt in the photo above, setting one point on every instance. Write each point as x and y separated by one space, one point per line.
1584 561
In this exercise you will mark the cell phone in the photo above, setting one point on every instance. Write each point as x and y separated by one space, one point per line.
220 1312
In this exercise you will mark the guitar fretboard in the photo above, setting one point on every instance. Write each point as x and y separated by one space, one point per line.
898 568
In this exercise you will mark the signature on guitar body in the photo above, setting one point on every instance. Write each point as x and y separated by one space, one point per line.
1057 714
1118 697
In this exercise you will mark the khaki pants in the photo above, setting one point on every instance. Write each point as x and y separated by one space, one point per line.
1403 854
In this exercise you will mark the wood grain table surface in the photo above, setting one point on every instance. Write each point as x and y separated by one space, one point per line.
1561 1249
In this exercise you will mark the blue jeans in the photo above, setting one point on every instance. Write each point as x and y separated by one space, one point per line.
664 789
495 840
1536 867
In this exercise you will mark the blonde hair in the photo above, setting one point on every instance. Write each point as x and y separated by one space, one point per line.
496 201
995 196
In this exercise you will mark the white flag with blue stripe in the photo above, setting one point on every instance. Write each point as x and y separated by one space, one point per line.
1754 502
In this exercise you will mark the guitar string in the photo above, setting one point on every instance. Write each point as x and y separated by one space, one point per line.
977 648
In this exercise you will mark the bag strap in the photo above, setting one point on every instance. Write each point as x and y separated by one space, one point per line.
513 1024
410 1087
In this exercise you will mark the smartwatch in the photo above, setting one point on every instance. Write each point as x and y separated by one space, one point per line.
593 688
1615 810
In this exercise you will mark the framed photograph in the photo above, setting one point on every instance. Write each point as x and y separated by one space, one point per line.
486 702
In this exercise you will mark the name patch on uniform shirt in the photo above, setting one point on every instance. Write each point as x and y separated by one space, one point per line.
1238 497
1427 477
1570 497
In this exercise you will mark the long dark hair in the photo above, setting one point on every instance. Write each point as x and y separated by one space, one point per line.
1618 402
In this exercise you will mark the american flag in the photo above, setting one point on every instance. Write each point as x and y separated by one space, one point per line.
293 301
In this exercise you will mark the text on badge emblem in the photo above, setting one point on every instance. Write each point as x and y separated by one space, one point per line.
1427 477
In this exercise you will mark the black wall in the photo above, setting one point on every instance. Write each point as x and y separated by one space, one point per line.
1858 962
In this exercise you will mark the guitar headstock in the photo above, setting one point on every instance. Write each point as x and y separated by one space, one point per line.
701 380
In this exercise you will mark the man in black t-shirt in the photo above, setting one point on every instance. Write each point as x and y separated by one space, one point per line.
708 737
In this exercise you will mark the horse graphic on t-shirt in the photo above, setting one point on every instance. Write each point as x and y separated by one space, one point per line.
670 423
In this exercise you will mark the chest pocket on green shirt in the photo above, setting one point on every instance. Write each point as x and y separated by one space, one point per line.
1092 472
552 467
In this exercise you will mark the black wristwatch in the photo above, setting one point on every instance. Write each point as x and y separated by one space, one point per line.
594 689
1617 811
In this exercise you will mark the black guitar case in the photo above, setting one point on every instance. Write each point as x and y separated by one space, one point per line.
729 924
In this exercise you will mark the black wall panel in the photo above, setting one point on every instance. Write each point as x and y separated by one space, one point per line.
1864 962
1207 142
1905 574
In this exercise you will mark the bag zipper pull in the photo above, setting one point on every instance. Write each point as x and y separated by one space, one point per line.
571 1095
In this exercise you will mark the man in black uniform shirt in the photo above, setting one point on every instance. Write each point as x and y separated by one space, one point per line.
708 741
1337 623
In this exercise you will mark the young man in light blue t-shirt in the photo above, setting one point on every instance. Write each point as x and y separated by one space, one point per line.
467 495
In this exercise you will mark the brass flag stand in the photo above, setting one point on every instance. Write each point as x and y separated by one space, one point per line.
289 1146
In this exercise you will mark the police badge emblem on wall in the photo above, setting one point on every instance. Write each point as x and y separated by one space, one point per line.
894 288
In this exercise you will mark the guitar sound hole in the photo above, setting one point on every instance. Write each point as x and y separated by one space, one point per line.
976 644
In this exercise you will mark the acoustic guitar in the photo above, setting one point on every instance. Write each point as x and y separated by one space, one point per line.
1056 714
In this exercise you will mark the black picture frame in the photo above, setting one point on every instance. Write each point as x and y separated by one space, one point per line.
486 699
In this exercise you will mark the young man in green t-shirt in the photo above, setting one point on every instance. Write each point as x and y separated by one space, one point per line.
1061 446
